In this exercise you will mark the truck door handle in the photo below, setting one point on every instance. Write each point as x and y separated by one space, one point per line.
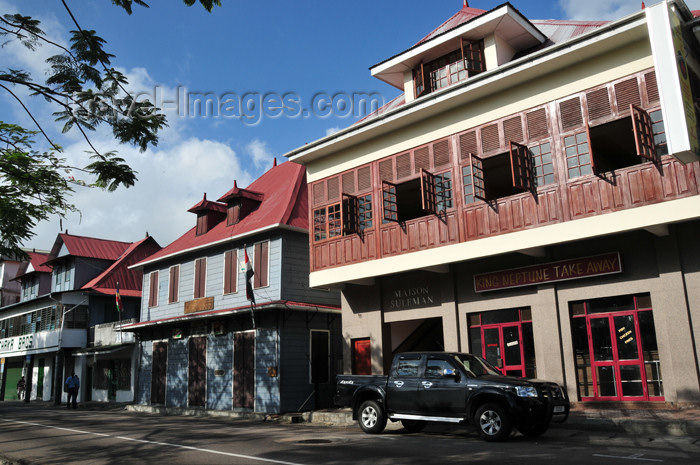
427 384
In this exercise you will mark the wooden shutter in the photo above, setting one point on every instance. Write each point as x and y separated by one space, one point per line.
643 134
349 182
521 167
319 193
390 210
477 173
201 223
333 188
350 212
513 129
153 289
230 271
427 190
626 93
261 264
651 86
468 144
174 284
473 56
421 158
364 179
403 165
570 113
590 149
441 153
537 123
200 273
490 139
386 170
598 103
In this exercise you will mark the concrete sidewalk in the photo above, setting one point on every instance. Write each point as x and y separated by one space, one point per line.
638 419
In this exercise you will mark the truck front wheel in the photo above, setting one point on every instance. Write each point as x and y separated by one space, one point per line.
493 422
371 418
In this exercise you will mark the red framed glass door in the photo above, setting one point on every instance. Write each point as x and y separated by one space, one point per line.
503 347
617 365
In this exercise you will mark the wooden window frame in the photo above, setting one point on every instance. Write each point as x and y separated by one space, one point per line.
153 283
539 165
200 278
578 154
644 134
231 271
173 284
390 197
521 167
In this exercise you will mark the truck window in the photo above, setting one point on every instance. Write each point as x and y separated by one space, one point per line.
435 368
408 367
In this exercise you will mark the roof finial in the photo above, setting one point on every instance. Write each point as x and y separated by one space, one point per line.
235 186
205 196
274 162
465 4
643 6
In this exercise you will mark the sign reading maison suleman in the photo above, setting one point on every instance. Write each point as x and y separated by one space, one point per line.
549 272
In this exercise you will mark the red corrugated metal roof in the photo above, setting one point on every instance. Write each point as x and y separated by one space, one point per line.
285 201
38 260
130 281
461 17
88 247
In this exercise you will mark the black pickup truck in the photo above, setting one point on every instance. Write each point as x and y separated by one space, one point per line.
452 387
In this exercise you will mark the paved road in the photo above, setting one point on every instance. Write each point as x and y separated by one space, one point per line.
51 435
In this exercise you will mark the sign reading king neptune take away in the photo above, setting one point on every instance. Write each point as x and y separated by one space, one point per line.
549 272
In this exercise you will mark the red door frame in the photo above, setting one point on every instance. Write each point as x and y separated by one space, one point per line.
616 363
501 343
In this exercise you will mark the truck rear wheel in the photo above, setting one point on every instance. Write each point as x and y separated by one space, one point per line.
371 417
493 422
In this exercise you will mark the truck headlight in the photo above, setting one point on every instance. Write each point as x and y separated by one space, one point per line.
526 391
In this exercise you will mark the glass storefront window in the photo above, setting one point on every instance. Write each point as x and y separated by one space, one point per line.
615 349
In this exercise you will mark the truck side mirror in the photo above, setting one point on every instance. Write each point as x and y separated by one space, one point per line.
450 373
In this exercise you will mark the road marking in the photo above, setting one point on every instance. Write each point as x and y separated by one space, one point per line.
628 457
179 446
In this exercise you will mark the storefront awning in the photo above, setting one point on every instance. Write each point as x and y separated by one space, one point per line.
104 350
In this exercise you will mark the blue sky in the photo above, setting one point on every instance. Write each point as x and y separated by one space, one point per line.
296 50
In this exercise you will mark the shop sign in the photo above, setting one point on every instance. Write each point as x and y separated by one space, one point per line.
17 343
565 270
410 297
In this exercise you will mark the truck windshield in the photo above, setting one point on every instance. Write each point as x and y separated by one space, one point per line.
476 366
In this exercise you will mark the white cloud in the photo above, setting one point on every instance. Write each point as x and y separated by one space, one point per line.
170 182
607 9
260 154
333 130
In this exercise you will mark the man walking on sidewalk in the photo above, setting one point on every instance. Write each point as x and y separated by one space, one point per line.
72 387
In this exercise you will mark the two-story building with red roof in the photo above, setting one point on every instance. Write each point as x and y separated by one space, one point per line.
228 321
66 318
532 196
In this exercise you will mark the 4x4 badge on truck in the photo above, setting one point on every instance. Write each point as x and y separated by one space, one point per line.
398 383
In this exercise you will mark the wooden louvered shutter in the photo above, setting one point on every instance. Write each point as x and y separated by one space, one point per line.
333 188
441 153
200 273
427 188
468 144
537 126
521 167
350 213
230 271
174 284
651 87
570 113
403 165
490 139
390 206
364 179
643 134
261 264
319 193
349 182
153 289
421 158
598 104
386 170
626 94
477 173
513 129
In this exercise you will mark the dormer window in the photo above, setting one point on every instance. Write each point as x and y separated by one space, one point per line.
456 66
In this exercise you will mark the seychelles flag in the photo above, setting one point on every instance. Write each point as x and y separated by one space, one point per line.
248 276
118 300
